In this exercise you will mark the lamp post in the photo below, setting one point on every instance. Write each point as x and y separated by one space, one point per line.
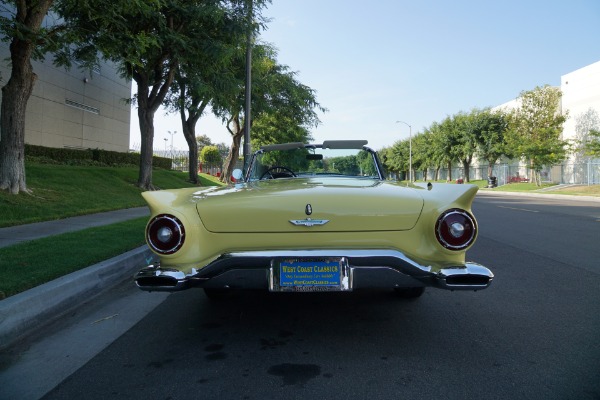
409 150
172 134
166 146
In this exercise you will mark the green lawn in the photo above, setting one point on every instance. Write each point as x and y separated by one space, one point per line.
60 191
29 264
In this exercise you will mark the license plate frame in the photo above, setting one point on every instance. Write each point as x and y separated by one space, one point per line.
310 274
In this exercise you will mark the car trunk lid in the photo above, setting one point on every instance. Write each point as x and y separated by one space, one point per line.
315 204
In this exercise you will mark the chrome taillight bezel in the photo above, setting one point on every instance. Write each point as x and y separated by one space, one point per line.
175 241
443 228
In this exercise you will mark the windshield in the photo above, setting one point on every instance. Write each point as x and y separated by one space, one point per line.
313 160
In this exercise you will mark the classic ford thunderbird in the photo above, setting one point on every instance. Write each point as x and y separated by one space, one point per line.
313 217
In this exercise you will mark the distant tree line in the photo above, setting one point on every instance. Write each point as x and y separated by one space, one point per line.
531 132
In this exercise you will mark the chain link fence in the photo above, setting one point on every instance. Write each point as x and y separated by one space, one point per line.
581 173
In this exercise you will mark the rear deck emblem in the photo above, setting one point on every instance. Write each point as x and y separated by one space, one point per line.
309 222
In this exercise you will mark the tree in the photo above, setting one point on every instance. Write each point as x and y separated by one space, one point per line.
492 126
466 129
592 146
445 143
422 153
210 155
203 140
272 128
535 129
397 157
150 40
275 92
28 40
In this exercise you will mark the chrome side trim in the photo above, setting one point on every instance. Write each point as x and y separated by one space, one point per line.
369 268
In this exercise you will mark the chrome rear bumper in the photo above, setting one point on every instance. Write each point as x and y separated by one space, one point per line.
368 269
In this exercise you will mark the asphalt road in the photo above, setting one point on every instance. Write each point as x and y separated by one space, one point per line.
532 335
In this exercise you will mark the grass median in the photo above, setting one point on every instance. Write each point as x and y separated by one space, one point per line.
30 264
61 191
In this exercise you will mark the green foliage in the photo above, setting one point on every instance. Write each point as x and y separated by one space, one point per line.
52 257
347 165
60 191
535 128
53 155
210 155
592 146
270 128
492 127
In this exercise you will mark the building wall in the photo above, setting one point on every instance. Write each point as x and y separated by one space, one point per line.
75 109
581 98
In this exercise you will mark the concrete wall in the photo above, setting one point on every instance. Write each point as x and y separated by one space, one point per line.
75 109
581 98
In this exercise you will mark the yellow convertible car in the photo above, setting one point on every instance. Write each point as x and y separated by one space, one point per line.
313 217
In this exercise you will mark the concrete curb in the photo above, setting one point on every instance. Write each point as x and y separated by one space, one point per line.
541 196
26 312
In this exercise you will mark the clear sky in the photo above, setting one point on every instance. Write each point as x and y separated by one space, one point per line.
373 63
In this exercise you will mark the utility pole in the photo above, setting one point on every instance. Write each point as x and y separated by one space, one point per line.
248 108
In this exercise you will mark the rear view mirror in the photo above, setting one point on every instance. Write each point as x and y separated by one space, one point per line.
314 156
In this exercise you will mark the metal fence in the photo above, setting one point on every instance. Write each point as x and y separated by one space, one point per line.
582 173
180 162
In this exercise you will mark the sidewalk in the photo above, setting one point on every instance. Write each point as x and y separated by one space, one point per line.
21 233
592 199
26 312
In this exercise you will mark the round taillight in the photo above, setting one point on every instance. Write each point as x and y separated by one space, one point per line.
165 234
456 229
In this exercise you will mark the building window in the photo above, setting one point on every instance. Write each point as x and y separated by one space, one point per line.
83 107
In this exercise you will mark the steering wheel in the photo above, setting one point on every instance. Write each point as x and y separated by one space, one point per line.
278 172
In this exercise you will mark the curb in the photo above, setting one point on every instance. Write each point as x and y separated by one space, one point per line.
541 196
26 312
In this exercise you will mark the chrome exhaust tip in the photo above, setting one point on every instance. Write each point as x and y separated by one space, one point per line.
471 276
156 279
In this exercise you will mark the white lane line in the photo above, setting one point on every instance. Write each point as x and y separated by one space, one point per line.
519 209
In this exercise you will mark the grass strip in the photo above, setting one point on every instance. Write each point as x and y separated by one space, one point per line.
26 265
61 191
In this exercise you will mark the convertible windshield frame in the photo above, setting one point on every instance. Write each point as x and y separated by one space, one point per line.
315 156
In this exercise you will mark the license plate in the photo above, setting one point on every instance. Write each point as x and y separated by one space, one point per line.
310 275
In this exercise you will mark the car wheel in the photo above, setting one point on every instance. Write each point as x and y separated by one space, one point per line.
217 293
409 292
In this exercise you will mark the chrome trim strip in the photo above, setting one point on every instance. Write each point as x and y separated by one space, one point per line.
388 268
309 222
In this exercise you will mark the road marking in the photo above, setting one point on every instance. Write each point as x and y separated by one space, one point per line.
519 209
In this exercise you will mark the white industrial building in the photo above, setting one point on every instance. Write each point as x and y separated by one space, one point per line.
73 108
581 100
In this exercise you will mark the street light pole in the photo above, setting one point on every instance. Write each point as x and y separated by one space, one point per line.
410 177
166 146
172 134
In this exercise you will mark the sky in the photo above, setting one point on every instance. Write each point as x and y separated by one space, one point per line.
374 63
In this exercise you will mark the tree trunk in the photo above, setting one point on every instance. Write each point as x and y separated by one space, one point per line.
449 171
189 130
466 170
15 95
146 120
490 168
148 103
232 156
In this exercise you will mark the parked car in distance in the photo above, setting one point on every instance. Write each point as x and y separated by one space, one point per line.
311 218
